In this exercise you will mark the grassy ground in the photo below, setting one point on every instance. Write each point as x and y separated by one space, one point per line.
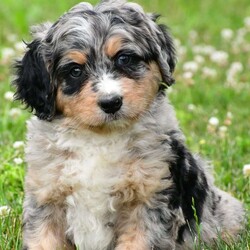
209 84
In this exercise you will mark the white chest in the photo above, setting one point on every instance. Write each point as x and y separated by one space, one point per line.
93 173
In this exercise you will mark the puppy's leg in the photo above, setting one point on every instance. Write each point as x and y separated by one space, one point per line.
131 229
146 228
224 215
44 227
234 215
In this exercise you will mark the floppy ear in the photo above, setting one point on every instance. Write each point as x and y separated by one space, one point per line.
167 55
163 48
33 85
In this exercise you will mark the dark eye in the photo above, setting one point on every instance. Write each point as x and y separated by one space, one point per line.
123 60
76 71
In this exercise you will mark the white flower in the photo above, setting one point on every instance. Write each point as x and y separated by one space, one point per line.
236 67
177 42
191 107
227 34
219 57
15 112
246 170
203 49
187 75
247 22
20 47
9 96
7 54
4 211
18 144
213 121
239 42
209 72
190 66
12 38
199 59
182 51
229 115
18 161
231 81
223 131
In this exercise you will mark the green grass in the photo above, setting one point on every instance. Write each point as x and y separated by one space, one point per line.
210 97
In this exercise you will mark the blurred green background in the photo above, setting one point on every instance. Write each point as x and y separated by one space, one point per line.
182 16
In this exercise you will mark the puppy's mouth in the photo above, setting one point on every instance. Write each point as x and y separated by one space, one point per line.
111 122
113 117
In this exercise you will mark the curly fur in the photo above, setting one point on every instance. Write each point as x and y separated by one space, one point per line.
108 167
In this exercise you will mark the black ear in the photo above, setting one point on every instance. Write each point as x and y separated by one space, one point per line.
166 55
33 85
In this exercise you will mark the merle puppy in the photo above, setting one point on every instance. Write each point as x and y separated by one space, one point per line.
107 163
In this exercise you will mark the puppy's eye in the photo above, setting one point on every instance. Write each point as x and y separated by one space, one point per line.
76 71
123 60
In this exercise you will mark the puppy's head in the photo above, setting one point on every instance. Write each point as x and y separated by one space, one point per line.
97 65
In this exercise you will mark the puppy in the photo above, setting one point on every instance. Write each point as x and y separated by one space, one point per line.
107 163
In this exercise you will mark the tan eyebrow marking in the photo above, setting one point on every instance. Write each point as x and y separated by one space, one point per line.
113 45
77 57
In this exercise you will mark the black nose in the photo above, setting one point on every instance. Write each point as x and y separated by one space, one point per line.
110 104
